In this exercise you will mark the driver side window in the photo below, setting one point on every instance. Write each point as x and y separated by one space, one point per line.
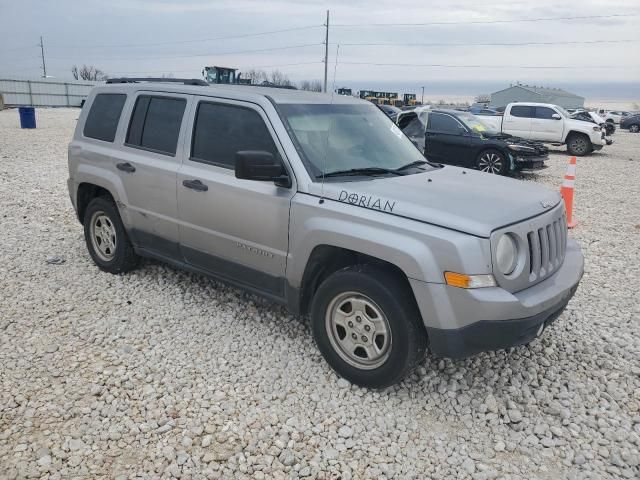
222 130
441 123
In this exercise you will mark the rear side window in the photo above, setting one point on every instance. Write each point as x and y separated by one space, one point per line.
544 113
222 130
155 123
102 120
522 111
443 123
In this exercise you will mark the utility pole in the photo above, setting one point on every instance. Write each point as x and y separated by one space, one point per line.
326 52
44 65
422 100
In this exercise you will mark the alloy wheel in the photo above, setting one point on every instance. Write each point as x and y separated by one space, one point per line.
490 162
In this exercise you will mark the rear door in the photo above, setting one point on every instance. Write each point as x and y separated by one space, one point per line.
148 164
517 121
447 140
545 127
236 229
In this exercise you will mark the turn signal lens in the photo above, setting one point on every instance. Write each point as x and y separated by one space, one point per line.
461 280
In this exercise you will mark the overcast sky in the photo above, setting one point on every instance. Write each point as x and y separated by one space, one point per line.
144 37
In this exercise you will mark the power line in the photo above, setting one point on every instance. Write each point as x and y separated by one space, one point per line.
227 37
208 54
488 44
440 65
485 22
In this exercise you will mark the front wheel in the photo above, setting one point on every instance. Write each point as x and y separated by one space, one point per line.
578 144
367 326
493 161
634 128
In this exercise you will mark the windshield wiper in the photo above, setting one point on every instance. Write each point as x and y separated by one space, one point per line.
360 171
412 164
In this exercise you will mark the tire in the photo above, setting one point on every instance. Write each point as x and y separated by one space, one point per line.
493 161
377 307
102 220
579 145
635 128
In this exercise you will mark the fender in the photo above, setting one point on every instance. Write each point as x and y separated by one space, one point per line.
103 177
422 252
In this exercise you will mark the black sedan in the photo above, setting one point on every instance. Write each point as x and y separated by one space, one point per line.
459 138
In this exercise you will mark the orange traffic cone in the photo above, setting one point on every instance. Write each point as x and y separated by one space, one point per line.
567 191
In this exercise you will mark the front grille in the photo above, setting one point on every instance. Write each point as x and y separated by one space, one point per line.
547 246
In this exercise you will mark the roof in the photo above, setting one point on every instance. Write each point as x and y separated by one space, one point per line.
558 92
240 92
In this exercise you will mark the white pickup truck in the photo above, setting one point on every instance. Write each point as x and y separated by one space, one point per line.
550 124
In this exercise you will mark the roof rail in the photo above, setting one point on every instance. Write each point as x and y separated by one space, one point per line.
184 81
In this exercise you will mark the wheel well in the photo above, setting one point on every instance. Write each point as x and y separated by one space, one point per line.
573 132
86 193
326 259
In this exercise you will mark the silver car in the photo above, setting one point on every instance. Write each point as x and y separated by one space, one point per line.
322 204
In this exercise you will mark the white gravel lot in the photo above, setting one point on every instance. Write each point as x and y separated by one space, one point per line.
162 373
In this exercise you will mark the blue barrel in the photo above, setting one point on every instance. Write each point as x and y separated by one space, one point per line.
27 117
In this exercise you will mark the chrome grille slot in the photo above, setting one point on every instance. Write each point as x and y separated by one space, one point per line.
547 247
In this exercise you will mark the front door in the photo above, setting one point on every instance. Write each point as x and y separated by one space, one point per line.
235 229
447 140
545 126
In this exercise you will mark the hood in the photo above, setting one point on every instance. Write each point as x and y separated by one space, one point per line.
456 198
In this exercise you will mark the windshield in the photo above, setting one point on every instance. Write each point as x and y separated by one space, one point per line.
475 124
331 138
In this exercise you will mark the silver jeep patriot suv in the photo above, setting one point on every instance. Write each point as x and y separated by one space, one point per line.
321 203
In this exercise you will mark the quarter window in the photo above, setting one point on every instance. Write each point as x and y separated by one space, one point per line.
155 124
443 123
102 120
220 131
545 113
522 111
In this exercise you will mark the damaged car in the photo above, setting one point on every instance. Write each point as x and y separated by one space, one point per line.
608 128
459 138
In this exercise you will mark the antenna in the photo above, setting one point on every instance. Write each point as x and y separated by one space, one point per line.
326 143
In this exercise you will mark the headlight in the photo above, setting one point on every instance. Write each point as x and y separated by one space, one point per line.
506 254
520 148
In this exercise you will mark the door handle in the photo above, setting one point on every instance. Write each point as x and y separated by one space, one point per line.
195 185
126 167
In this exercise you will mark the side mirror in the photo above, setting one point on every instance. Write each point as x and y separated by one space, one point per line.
261 166
556 116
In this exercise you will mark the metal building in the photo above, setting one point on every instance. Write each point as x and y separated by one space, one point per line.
43 92
531 93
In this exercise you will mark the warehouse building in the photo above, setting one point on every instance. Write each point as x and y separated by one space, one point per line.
529 93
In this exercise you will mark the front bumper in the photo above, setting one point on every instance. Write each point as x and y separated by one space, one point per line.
530 163
463 322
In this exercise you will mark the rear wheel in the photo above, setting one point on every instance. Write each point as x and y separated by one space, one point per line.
635 128
579 144
493 161
367 326
106 238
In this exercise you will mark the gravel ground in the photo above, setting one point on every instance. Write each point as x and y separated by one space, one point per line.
162 373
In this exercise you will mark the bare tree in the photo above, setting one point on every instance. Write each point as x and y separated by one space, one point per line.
276 77
88 72
311 85
256 76
483 98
